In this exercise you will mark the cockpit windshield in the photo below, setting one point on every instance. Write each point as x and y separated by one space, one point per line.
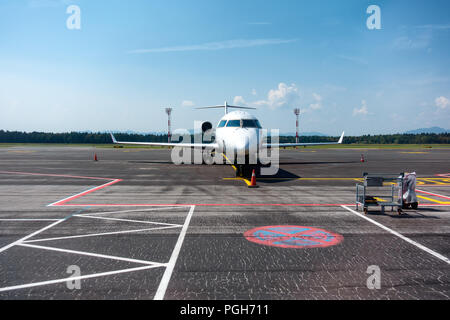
244 123
234 124
251 124
222 124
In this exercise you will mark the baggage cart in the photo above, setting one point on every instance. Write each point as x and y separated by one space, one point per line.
380 190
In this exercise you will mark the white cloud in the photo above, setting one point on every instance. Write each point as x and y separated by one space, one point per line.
239 100
284 95
187 103
254 92
318 102
435 26
419 40
361 111
220 45
442 102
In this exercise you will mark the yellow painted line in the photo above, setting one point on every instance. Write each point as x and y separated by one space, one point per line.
235 169
330 179
420 181
434 181
239 178
312 179
278 179
432 200
20 151
415 152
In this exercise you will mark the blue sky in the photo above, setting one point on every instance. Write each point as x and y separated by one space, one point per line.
130 59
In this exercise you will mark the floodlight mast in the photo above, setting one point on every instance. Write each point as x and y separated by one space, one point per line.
169 131
297 113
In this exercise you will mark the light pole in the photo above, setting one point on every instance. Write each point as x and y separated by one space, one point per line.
297 113
169 134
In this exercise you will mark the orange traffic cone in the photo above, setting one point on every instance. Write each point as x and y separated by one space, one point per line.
95 157
362 158
253 181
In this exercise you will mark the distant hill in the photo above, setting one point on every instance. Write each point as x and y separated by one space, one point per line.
436 130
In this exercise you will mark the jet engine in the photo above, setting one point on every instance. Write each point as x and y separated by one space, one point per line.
206 126
207 132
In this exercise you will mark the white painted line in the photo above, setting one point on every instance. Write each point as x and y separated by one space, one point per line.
99 234
128 220
395 233
137 210
92 254
30 235
96 275
173 259
30 219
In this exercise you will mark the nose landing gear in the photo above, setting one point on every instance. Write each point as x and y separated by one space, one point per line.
245 170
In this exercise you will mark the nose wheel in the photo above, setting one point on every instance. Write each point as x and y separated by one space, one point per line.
240 171
245 171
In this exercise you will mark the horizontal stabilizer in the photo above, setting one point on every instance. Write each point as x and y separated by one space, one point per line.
221 107
226 106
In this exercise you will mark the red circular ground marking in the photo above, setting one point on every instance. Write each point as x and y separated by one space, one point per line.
293 237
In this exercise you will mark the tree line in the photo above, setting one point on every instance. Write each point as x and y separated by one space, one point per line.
105 138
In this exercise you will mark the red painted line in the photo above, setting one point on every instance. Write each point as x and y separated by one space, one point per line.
433 185
209 205
228 205
433 194
62 202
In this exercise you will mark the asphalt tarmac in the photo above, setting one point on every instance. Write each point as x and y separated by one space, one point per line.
132 225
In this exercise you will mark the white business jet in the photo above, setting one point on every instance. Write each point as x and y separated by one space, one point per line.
238 135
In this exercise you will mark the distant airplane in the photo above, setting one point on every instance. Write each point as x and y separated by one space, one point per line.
238 135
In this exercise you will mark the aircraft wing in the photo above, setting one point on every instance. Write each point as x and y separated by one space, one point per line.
282 145
162 144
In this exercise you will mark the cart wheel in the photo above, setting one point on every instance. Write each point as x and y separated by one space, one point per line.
415 205
399 211
365 211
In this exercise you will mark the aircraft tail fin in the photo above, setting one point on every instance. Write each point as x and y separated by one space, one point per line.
226 106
